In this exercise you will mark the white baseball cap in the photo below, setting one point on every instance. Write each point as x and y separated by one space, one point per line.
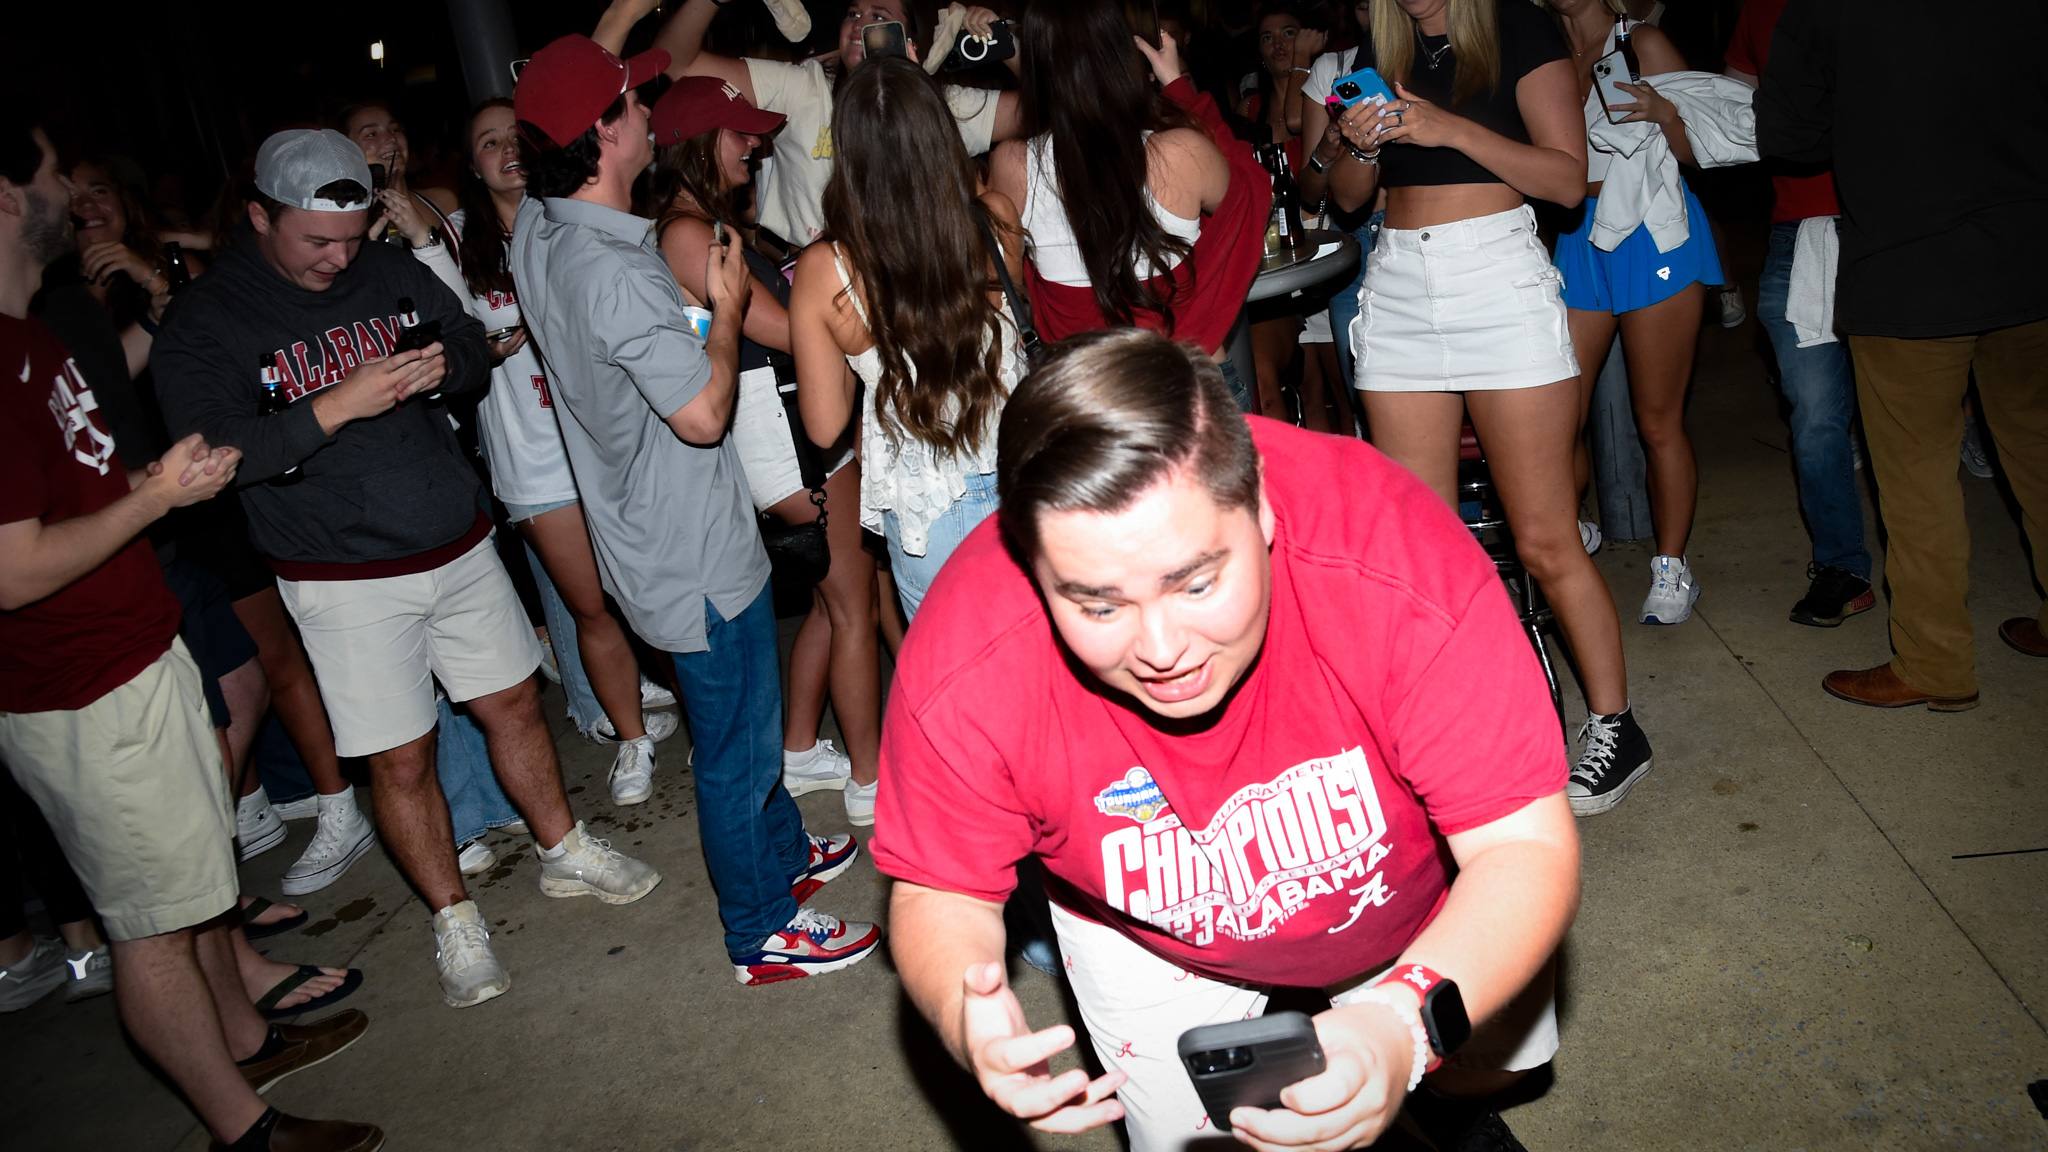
295 164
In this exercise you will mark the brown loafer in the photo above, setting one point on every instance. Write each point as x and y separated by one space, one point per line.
292 1048
2023 634
277 1132
1880 687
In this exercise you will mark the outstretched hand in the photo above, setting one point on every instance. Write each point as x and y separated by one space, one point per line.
1010 1061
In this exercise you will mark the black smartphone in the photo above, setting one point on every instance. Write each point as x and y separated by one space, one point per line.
884 39
1144 18
378 178
1246 1063
418 336
970 52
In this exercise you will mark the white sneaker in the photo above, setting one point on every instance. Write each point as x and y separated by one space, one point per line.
653 695
515 828
92 973
1589 536
1732 311
660 726
822 767
475 858
1672 591
258 828
344 834
548 667
31 978
470 972
589 866
633 771
860 803
304 808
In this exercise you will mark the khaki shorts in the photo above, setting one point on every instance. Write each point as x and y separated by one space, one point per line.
134 788
377 646
1136 1005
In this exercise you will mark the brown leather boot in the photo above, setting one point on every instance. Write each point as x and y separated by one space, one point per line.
291 1048
277 1132
2023 634
1880 687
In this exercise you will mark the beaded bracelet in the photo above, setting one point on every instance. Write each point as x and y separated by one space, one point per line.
1415 1030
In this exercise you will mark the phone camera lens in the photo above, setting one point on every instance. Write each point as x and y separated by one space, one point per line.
1220 1060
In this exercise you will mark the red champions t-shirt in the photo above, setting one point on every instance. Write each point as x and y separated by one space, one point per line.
57 461
1798 197
1298 840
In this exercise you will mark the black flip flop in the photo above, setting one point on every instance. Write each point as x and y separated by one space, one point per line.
254 931
268 1005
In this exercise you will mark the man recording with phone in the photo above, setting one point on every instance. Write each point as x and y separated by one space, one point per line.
1252 727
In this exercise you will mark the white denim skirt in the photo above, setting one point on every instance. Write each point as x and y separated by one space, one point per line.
1468 306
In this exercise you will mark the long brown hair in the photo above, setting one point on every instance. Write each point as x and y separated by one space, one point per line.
1092 93
913 233
1474 27
481 246
692 167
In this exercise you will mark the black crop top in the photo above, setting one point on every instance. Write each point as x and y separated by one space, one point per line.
1528 40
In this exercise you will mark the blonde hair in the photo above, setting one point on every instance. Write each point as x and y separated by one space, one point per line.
1474 28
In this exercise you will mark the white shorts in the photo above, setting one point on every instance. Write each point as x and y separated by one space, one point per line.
1136 1005
1469 306
760 430
134 788
377 646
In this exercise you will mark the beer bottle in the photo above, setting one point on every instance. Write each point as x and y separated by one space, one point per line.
273 402
1625 44
176 270
1286 203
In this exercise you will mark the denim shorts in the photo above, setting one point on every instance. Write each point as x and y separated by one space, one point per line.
1635 275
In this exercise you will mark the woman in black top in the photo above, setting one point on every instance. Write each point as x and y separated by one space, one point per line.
1460 298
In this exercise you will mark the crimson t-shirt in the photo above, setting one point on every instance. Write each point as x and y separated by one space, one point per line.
1797 197
1297 841
57 461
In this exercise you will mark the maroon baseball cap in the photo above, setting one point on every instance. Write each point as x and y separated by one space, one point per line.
697 104
568 85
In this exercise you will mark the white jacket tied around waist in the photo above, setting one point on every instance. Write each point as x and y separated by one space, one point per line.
1641 182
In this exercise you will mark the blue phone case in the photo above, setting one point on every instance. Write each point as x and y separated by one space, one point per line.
1364 84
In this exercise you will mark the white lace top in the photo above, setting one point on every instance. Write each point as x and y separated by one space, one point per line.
913 479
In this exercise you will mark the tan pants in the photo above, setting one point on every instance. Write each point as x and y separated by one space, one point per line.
1911 394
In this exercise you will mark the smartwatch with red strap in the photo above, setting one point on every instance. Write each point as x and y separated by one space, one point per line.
1443 1008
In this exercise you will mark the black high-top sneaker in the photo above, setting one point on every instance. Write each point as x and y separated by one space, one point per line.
1615 755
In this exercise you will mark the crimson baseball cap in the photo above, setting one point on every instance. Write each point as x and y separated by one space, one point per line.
568 85
697 104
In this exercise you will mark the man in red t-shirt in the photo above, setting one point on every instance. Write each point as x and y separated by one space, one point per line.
1250 695
1813 368
102 718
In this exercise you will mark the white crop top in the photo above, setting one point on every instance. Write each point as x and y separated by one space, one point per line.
1054 251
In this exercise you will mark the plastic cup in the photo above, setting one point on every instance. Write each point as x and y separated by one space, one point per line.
700 321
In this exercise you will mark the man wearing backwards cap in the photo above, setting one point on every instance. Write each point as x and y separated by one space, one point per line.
360 496
648 402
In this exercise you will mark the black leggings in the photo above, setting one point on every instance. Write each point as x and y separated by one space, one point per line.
35 854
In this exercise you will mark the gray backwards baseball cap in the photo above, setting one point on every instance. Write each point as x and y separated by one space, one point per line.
294 165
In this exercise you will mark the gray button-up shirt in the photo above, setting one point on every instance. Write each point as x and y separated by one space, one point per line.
672 523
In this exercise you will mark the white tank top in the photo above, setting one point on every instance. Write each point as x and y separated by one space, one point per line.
1054 251
912 479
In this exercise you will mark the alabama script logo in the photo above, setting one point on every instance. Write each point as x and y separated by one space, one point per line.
307 367
1314 831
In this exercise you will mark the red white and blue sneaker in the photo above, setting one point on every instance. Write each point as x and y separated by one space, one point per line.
813 944
829 857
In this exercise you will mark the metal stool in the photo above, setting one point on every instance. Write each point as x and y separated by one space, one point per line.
1479 507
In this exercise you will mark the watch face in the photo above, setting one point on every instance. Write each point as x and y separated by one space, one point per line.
1443 1016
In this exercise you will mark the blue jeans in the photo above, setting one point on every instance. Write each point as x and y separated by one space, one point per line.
753 834
475 802
1344 305
583 706
1822 390
914 574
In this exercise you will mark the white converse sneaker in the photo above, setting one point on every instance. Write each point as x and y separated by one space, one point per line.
470 972
1672 591
304 808
860 803
475 858
92 973
588 866
816 770
258 828
660 726
653 695
344 834
633 771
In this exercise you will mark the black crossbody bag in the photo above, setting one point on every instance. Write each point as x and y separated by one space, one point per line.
1020 309
799 553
